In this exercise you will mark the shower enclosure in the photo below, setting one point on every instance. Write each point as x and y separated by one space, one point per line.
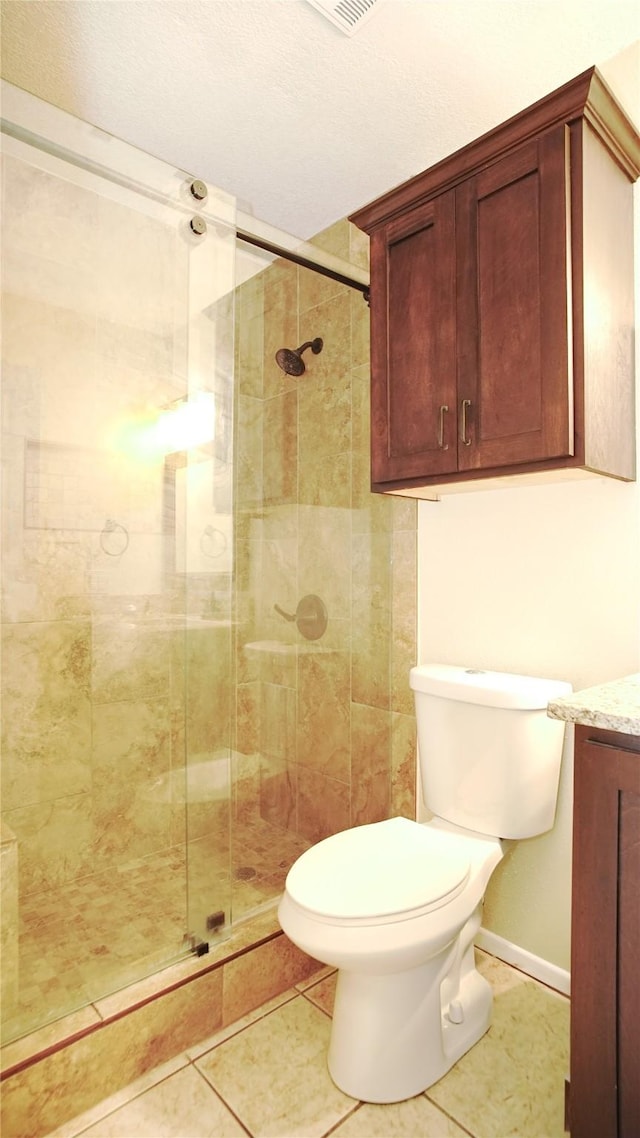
171 738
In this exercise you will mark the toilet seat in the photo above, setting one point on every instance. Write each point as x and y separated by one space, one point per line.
380 873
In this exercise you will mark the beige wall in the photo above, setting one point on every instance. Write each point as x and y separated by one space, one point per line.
330 722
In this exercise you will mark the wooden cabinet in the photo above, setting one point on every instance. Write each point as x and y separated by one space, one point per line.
502 303
604 1096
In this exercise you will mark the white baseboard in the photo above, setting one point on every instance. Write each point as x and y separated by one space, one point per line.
535 966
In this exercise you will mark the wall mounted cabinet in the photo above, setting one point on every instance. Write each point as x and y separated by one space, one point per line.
502 304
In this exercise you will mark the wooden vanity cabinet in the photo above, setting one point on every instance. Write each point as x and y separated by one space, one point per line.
604 1093
502 303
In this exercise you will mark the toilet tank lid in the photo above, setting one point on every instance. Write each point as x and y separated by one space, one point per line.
492 689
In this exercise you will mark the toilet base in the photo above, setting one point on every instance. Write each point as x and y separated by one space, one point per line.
392 1038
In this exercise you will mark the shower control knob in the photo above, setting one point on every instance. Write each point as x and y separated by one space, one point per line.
198 225
198 190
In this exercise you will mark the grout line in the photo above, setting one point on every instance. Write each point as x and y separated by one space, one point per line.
319 1007
223 1100
351 1113
450 1116
236 1027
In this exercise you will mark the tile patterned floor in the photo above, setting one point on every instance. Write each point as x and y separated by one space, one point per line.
84 940
266 1076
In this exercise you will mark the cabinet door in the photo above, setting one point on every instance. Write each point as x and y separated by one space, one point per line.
413 353
514 311
605 937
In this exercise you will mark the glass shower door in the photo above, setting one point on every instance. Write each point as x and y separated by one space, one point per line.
116 559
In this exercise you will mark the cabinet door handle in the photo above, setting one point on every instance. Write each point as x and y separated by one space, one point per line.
441 442
463 422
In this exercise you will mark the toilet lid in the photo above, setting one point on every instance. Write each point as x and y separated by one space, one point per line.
382 870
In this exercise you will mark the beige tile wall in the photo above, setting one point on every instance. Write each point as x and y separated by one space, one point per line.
332 720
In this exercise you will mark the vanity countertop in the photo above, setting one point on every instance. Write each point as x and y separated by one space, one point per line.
614 706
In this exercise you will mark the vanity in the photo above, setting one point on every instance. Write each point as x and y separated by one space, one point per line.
604 1091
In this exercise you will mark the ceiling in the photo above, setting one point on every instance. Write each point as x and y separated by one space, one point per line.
269 101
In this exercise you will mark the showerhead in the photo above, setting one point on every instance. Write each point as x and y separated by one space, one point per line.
290 359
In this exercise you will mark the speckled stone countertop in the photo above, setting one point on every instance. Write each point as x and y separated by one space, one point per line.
614 706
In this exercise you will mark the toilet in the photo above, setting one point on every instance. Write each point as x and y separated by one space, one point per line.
395 905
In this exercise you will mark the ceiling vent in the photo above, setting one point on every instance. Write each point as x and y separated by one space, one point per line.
348 15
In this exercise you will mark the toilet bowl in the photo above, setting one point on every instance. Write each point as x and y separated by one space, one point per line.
395 906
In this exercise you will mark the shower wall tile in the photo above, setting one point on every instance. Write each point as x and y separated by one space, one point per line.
337 640
277 661
277 721
46 722
279 522
280 324
404 513
369 511
371 617
361 414
331 321
9 930
326 482
358 247
131 787
334 239
370 764
45 572
324 557
129 661
248 718
278 792
280 449
249 336
370 666
278 586
245 771
207 654
264 972
55 841
323 738
360 339
248 455
323 805
314 289
403 765
325 419
403 640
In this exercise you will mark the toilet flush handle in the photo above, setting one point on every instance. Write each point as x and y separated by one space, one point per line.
456 1012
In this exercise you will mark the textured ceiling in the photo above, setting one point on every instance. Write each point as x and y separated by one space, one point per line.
269 101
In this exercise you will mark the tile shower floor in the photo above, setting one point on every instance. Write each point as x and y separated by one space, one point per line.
84 940
266 1076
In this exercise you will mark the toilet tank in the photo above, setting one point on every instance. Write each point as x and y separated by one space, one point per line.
489 755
